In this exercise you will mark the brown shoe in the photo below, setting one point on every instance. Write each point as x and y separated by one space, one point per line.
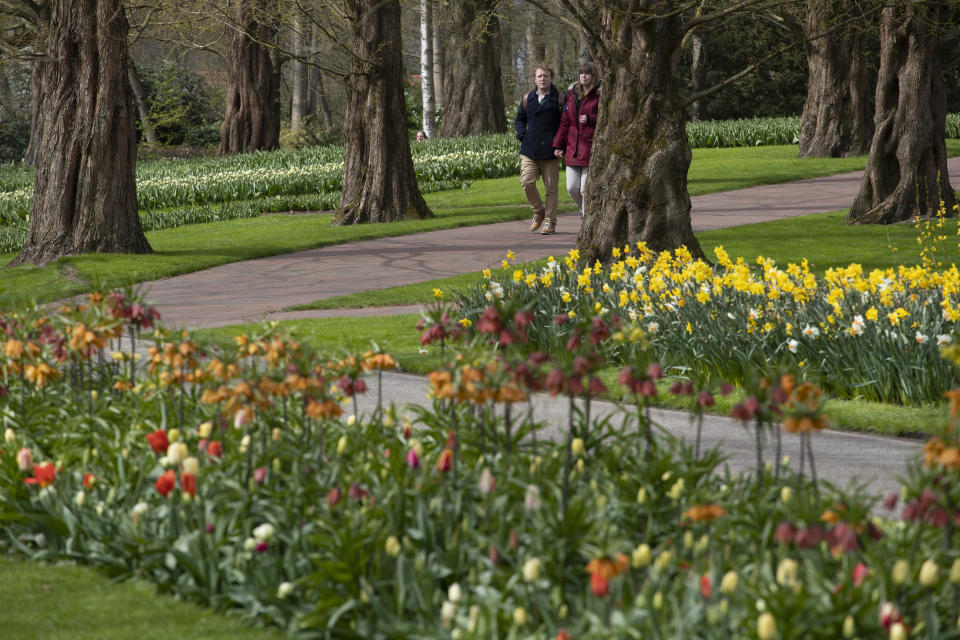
536 222
550 228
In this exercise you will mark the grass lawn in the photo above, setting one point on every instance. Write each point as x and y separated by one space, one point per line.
67 602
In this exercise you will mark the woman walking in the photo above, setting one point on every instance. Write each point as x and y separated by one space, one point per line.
577 125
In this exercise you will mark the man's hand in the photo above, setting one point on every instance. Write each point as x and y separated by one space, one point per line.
558 153
583 119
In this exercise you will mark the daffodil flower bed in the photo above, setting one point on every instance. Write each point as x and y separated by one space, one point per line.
265 481
874 335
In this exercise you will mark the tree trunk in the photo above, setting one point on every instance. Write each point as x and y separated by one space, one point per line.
536 50
473 92
84 197
379 183
426 68
906 172
439 61
698 74
140 96
300 77
318 95
252 118
37 75
637 189
836 118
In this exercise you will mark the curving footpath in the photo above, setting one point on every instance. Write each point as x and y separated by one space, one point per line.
260 289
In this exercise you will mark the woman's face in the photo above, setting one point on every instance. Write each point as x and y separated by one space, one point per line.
421 136
586 79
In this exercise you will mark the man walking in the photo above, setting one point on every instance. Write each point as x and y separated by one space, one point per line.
537 121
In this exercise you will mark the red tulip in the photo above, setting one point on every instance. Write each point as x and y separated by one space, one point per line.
706 587
599 585
88 480
188 482
43 474
215 449
445 461
166 483
158 441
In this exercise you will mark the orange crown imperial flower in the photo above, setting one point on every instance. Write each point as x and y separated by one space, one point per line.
704 512
607 567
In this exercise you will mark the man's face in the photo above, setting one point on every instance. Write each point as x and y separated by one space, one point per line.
543 78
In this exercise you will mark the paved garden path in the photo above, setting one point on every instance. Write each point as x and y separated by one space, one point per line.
258 289
251 290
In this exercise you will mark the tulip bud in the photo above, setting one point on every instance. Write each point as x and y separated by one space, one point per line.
204 429
80 498
284 590
276 434
531 501
341 445
487 483
24 459
177 453
955 572
657 600
448 611
191 465
277 465
786 495
173 435
641 556
641 495
520 616
898 631
576 446
392 546
531 570
929 573
899 572
9 436
455 593
728 584
766 626
849 627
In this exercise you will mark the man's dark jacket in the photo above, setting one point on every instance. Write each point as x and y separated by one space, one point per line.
537 125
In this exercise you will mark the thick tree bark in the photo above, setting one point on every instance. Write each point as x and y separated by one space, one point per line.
140 96
379 183
300 76
84 197
251 121
37 74
836 116
426 68
906 172
473 91
698 73
637 188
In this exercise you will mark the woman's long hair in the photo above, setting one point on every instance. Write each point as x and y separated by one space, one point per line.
586 67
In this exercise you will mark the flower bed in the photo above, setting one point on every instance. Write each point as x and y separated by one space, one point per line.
873 335
247 481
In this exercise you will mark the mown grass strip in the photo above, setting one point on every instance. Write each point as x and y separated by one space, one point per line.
68 602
